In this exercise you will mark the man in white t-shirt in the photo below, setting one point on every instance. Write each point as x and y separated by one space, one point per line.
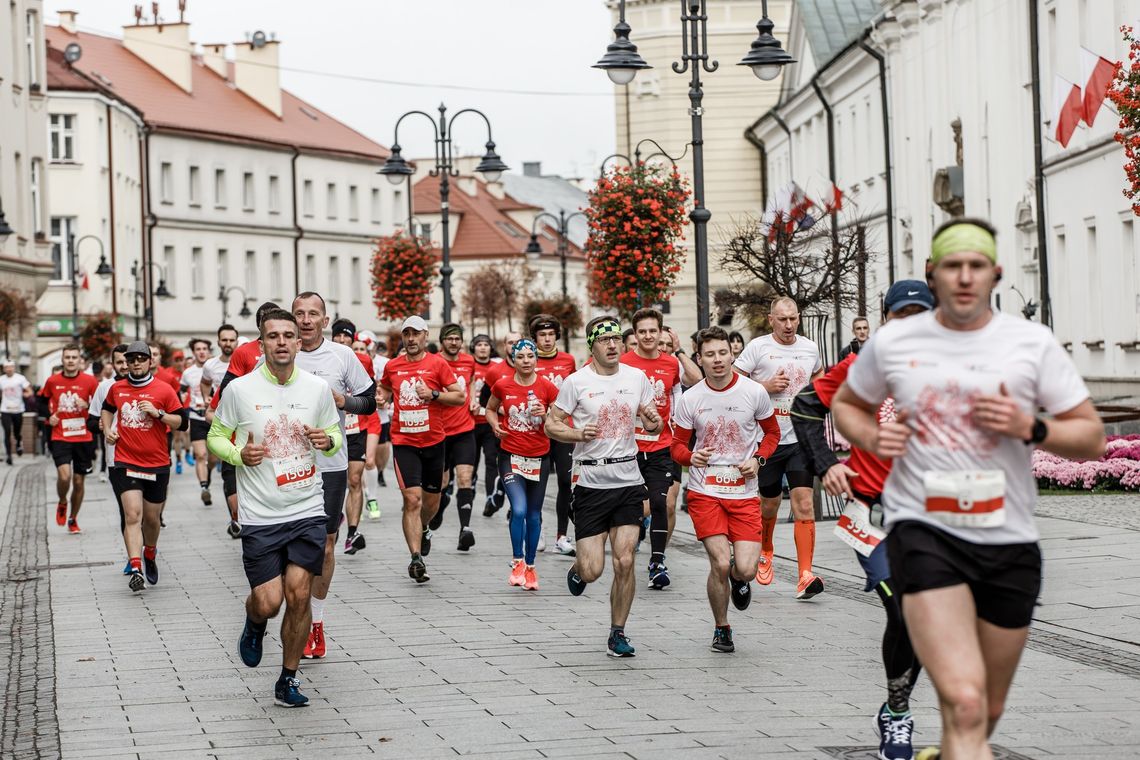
967 383
192 380
285 422
784 362
735 433
14 389
607 401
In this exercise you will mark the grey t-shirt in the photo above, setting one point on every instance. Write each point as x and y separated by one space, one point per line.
338 366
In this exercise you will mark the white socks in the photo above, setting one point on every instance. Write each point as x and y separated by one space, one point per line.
317 606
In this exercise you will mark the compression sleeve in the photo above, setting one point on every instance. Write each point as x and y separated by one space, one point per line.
771 437
335 436
808 413
361 403
219 443
680 450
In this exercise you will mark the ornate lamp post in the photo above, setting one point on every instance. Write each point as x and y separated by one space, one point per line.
160 292
562 223
224 297
103 270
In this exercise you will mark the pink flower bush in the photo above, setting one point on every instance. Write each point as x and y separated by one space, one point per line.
1118 469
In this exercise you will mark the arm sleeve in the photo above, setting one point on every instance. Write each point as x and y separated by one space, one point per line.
679 448
219 443
329 416
183 419
771 437
361 403
808 413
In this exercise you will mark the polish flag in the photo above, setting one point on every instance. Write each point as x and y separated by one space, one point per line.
85 283
835 202
1068 109
1098 73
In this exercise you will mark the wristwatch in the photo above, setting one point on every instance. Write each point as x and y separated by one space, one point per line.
761 461
434 395
1039 432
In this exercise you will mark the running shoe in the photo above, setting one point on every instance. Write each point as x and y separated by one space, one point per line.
249 645
234 529
722 640
530 578
894 734
658 576
764 571
178 468
541 544
417 571
136 582
73 527
810 584
436 521
189 459
102 476
564 546
930 753
207 499
380 479
489 507
518 573
127 567
61 513
150 566
741 593
466 539
374 507
354 544
315 648
575 583
9 460
287 693
618 645
19 449
425 542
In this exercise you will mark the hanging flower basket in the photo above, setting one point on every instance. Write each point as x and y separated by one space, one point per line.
403 275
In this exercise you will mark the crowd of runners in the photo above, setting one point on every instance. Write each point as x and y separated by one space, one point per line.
943 406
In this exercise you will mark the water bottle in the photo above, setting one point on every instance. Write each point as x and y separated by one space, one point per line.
531 400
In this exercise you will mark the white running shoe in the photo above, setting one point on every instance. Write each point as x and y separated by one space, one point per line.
565 546
541 543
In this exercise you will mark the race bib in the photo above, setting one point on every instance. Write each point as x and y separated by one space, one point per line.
414 421
640 435
152 477
966 498
295 473
724 479
351 424
854 528
73 426
529 468
782 406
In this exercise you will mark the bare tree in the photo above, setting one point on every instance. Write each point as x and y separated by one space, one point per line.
494 293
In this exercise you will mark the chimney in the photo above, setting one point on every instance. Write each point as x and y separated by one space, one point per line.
214 56
468 184
495 189
67 21
164 47
532 168
256 73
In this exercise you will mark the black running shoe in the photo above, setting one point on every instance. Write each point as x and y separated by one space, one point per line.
287 693
151 568
575 583
135 581
354 544
417 571
425 542
380 479
466 539
741 593
437 521
722 640
250 645
489 508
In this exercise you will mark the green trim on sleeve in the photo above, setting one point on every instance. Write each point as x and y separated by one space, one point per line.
219 443
333 431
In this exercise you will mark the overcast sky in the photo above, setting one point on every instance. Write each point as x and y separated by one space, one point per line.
535 48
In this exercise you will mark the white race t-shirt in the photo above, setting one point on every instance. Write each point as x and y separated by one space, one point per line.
934 373
12 393
725 421
342 371
610 402
286 486
214 371
764 357
378 365
192 380
96 411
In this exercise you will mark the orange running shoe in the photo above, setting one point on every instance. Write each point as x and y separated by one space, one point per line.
315 646
810 584
530 578
518 573
73 527
764 571
61 513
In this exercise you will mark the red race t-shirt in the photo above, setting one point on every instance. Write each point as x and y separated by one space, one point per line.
68 399
555 368
872 471
525 435
664 373
416 422
458 419
243 360
478 382
142 438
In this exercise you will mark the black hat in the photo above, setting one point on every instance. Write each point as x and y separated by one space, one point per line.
344 327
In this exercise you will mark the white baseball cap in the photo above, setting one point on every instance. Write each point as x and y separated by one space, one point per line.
416 323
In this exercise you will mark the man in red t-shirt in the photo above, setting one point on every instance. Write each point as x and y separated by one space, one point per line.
459 428
555 366
147 409
418 385
66 396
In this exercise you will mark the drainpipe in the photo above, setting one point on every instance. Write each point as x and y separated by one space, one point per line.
831 175
298 232
886 150
111 214
150 220
1038 169
750 136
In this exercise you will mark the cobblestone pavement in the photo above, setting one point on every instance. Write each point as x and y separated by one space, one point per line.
465 665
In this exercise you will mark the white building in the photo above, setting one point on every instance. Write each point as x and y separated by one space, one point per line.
248 191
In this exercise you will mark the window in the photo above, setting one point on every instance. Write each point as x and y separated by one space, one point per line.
62 227
353 204
166 182
357 281
37 198
375 206
247 191
62 134
197 281
334 279
219 188
166 273
310 282
250 273
31 43
330 201
274 194
275 276
307 198
223 267
398 211
195 186
1093 267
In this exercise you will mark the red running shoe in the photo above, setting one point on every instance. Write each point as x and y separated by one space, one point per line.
61 513
315 647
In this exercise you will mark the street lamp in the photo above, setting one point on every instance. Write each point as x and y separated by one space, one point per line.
103 270
224 295
159 292
636 160
622 63
533 249
396 169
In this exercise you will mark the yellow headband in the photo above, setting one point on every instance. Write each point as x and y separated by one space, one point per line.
963 237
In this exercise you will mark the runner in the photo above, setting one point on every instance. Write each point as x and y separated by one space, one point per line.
14 390
383 452
967 383
137 414
670 344
784 362
459 429
861 481
356 445
213 372
95 412
486 442
605 400
736 431
525 463
354 392
280 414
372 428
500 368
66 397
664 373
417 385
556 366
191 385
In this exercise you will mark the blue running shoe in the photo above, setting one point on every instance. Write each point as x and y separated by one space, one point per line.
287 693
619 646
575 583
658 576
894 734
127 567
249 645
189 459
178 467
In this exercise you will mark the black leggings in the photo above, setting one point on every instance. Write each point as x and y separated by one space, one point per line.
899 659
562 457
487 447
13 428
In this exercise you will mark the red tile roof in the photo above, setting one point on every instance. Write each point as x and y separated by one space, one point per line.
60 76
213 107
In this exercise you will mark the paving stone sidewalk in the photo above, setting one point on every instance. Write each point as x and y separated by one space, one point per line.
467 666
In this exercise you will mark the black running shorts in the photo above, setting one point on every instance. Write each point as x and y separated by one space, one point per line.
385 432
335 485
657 469
198 430
1004 579
267 549
788 460
419 467
78 455
596 510
356 444
152 482
459 449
